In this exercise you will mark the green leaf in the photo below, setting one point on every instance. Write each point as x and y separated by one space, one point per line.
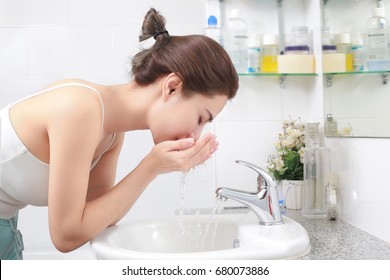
294 167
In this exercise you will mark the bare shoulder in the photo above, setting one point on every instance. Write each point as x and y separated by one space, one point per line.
73 81
69 102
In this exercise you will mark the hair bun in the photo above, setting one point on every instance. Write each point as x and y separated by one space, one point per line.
160 33
153 26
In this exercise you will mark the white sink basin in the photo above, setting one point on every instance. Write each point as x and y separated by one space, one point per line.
202 237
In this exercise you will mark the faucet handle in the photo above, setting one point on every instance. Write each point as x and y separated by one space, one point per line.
264 175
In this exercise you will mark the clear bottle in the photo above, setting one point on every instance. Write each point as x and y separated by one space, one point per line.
312 135
269 63
254 53
330 126
212 30
378 51
325 36
313 172
236 40
358 53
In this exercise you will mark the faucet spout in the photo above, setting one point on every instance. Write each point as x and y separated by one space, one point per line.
252 200
266 189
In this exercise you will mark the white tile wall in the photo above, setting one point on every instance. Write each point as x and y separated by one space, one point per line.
42 41
22 13
363 169
13 54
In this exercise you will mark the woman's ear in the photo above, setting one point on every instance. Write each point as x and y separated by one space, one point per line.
172 85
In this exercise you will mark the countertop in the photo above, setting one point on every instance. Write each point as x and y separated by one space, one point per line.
338 240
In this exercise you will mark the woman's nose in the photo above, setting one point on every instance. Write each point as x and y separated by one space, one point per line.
196 133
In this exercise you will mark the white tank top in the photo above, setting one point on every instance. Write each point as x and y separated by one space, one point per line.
24 179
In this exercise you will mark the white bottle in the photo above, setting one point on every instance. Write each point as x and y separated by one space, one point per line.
254 53
212 30
236 40
378 51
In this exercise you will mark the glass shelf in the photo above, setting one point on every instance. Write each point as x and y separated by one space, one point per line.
329 75
282 76
385 72
276 74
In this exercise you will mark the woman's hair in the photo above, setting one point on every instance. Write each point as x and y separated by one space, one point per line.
199 61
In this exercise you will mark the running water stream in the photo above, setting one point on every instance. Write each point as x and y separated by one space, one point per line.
214 216
202 228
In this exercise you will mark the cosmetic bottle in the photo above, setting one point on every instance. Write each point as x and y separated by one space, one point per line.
330 126
212 30
254 53
236 40
269 63
378 51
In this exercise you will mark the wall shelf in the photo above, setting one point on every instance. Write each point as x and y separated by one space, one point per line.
282 76
278 74
329 75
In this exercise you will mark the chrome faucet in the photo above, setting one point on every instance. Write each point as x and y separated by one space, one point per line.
266 189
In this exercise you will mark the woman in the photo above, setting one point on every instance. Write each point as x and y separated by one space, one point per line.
60 147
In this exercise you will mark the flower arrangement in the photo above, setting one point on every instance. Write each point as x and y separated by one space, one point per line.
287 163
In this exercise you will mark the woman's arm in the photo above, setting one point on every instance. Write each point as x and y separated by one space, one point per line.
102 176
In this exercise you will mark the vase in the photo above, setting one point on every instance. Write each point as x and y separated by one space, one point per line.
293 193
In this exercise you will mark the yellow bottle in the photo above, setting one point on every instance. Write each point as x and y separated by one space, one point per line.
269 62
349 62
344 46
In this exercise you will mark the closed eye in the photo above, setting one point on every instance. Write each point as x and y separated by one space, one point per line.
210 118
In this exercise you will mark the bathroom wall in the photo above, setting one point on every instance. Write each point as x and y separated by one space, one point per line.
45 40
361 164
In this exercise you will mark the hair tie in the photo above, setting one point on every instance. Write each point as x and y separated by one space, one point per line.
160 33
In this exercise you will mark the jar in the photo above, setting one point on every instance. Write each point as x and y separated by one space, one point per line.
297 50
300 36
327 49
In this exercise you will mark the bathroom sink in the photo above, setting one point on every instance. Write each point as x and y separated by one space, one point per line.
223 236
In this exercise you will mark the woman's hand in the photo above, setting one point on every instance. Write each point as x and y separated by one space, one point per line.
181 155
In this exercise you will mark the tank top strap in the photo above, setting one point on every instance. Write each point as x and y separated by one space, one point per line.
108 147
65 85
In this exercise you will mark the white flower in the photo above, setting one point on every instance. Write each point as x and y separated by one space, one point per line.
278 145
289 142
301 153
291 139
279 164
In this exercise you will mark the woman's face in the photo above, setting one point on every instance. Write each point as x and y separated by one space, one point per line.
179 117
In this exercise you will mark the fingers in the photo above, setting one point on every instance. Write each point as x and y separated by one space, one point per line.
182 144
178 145
202 150
183 154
